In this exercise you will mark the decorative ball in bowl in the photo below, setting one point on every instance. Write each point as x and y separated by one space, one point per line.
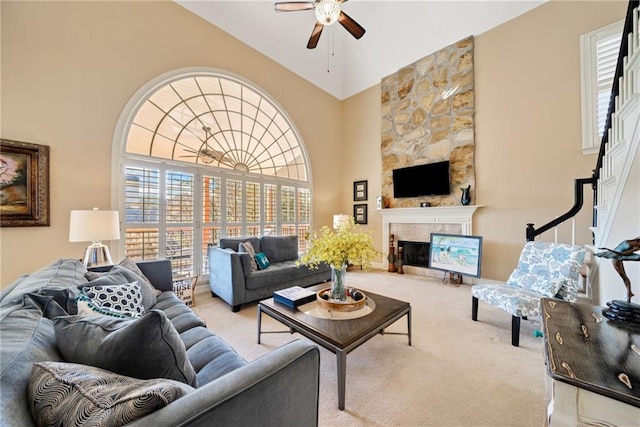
355 300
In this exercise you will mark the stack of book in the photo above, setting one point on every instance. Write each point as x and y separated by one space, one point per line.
294 296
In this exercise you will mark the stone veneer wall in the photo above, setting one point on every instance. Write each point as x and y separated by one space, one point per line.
428 116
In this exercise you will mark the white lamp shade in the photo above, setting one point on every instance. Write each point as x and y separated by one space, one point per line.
340 220
94 226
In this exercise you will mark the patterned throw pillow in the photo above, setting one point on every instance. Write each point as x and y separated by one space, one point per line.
71 394
262 260
248 248
119 300
119 275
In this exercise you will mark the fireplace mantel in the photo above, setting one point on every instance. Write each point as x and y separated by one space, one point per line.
461 215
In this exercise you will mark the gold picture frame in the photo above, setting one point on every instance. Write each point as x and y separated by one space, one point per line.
24 184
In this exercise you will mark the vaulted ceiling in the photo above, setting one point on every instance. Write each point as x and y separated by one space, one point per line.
397 34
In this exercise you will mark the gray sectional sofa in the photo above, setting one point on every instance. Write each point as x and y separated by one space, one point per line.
180 372
232 277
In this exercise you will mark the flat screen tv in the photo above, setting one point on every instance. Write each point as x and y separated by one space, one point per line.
423 180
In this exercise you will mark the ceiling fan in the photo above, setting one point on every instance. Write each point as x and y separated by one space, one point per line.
327 13
208 154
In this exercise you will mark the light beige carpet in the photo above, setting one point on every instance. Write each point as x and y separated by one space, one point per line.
456 373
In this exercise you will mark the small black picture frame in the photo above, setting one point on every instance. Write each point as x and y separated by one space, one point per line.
359 191
360 213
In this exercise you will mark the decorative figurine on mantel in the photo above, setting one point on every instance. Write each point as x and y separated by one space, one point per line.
465 198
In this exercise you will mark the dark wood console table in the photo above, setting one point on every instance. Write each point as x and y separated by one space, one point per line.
593 364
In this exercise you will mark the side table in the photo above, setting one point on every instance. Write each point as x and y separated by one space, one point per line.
593 366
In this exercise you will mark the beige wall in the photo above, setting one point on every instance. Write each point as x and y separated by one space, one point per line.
528 127
68 69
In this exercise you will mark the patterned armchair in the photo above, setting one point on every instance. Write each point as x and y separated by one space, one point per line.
544 270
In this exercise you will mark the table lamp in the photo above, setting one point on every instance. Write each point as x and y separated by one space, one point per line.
94 226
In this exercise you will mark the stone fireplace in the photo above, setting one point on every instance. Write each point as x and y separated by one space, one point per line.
417 224
428 110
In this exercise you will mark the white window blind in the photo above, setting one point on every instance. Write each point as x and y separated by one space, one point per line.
142 207
599 56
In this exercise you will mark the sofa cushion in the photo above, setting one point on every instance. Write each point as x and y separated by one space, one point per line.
27 338
61 274
119 275
210 356
131 265
542 284
148 347
279 248
73 394
118 300
180 315
234 242
278 273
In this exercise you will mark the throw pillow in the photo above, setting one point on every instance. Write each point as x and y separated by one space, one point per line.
119 300
145 348
248 248
119 275
130 264
539 283
71 394
262 260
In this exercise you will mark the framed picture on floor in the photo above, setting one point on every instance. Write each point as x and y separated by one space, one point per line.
359 191
24 184
360 214
456 254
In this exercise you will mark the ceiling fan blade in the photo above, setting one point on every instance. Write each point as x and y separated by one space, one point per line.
352 26
293 6
315 36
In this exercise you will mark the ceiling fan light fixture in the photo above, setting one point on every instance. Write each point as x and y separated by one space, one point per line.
327 11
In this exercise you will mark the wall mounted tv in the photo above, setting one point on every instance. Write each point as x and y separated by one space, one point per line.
423 180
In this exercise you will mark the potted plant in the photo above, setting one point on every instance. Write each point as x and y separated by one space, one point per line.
338 247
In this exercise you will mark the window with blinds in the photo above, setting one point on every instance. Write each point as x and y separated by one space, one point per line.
599 54
207 156
142 213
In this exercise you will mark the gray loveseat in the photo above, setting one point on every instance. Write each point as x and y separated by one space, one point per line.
232 277
278 389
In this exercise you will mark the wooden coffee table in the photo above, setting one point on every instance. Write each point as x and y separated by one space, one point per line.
338 336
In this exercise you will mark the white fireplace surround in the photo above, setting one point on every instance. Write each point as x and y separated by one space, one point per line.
459 215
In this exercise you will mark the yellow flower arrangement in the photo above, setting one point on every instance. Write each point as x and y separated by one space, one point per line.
338 247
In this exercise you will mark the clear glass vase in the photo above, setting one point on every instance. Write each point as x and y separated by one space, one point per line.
338 286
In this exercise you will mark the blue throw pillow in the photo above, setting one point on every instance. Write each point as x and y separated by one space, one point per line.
262 260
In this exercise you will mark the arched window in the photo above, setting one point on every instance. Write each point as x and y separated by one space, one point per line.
207 155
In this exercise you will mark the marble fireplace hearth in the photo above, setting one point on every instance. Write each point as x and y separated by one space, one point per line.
417 224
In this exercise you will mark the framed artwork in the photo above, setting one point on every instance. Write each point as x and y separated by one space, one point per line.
360 214
359 191
24 184
456 254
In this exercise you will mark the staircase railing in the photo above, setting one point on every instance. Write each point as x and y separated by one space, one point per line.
531 231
